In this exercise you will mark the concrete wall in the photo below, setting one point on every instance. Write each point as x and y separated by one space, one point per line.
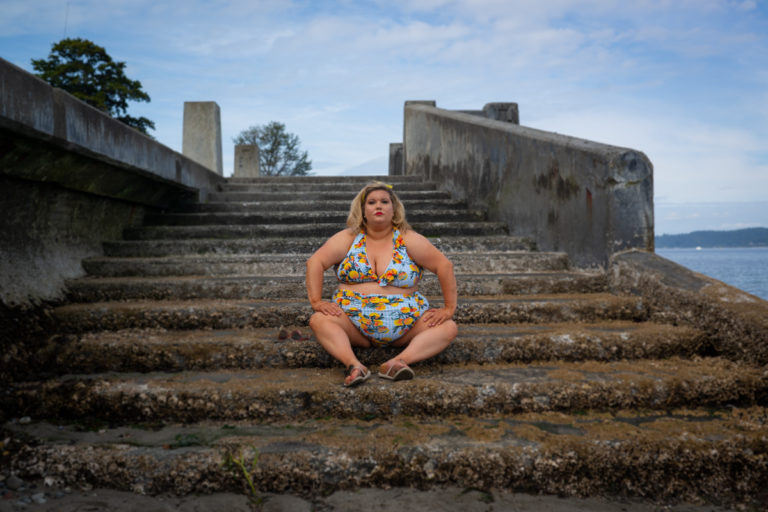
33 110
70 178
47 231
588 199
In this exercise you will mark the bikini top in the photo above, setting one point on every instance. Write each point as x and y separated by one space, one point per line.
402 271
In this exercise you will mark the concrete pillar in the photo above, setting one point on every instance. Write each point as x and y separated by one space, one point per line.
507 112
429 103
396 159
246 161
201 140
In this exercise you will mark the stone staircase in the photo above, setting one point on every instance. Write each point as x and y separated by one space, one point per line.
167 367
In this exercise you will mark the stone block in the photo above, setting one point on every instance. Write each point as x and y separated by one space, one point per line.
202 134
396 159
507 112
246 161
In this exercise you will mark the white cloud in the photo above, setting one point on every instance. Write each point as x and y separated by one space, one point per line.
645 74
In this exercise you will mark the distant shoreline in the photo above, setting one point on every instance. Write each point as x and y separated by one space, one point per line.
745 238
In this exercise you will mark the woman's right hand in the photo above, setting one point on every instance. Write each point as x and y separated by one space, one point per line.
327 308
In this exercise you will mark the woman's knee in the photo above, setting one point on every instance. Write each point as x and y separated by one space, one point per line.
318 320
451 329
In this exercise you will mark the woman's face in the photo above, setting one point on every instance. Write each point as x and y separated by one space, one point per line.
378 208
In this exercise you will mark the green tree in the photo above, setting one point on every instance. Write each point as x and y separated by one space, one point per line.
279 153
87 72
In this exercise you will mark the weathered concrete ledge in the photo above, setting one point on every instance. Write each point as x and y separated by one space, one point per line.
429 229
279 394
667 457
298 245
142 350
285 287
585 198
72 131
232 314
736 321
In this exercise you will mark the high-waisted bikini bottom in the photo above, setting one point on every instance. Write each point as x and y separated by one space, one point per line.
382 318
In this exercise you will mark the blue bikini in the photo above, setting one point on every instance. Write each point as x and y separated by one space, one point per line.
382 318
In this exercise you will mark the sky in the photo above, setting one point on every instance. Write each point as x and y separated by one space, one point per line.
684 81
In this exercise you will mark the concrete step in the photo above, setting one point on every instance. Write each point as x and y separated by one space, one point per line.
302 246
142 350
229 314
690 454
321 195
335 206
428 229
295 264
270 394
338 217
97 289
359 179
338 185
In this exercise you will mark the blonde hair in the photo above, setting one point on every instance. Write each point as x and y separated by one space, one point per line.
356 219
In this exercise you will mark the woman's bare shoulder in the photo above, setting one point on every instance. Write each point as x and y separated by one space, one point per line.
340 240
412 237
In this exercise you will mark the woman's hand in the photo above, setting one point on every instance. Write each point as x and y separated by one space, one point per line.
327 308
437 316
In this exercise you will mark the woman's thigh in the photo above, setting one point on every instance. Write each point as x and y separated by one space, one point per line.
448 329
318 320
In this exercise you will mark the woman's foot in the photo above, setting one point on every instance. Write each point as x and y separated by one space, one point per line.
396 370
356 375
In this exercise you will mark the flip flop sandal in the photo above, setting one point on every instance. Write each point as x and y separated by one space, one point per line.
363 375
404 372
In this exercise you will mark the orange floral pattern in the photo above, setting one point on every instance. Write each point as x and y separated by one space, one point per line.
382 318
402 271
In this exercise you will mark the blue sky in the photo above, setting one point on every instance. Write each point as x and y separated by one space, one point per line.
685 81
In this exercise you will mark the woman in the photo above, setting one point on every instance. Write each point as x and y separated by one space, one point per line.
377 301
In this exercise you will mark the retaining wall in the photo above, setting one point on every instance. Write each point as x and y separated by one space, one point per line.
588 199
70 178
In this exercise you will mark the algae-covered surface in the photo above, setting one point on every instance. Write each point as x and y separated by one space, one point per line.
677 454
287 394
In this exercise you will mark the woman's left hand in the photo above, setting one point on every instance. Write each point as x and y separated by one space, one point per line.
437 316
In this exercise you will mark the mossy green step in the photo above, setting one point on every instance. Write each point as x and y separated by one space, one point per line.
295 264
323 195
228 314
160 350
310 204
270 394
293 287
691 454
359 179
339 218
296 245
429 229
351 188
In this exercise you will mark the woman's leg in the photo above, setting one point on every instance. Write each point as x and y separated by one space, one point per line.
337 335
422 342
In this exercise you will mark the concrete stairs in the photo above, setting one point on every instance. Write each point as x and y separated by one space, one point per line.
167 364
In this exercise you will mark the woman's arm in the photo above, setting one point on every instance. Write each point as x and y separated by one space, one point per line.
428 256
331 252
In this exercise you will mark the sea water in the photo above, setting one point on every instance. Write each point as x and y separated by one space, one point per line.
743 267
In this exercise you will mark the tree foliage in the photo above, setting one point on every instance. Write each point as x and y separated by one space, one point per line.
279 152
87 72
